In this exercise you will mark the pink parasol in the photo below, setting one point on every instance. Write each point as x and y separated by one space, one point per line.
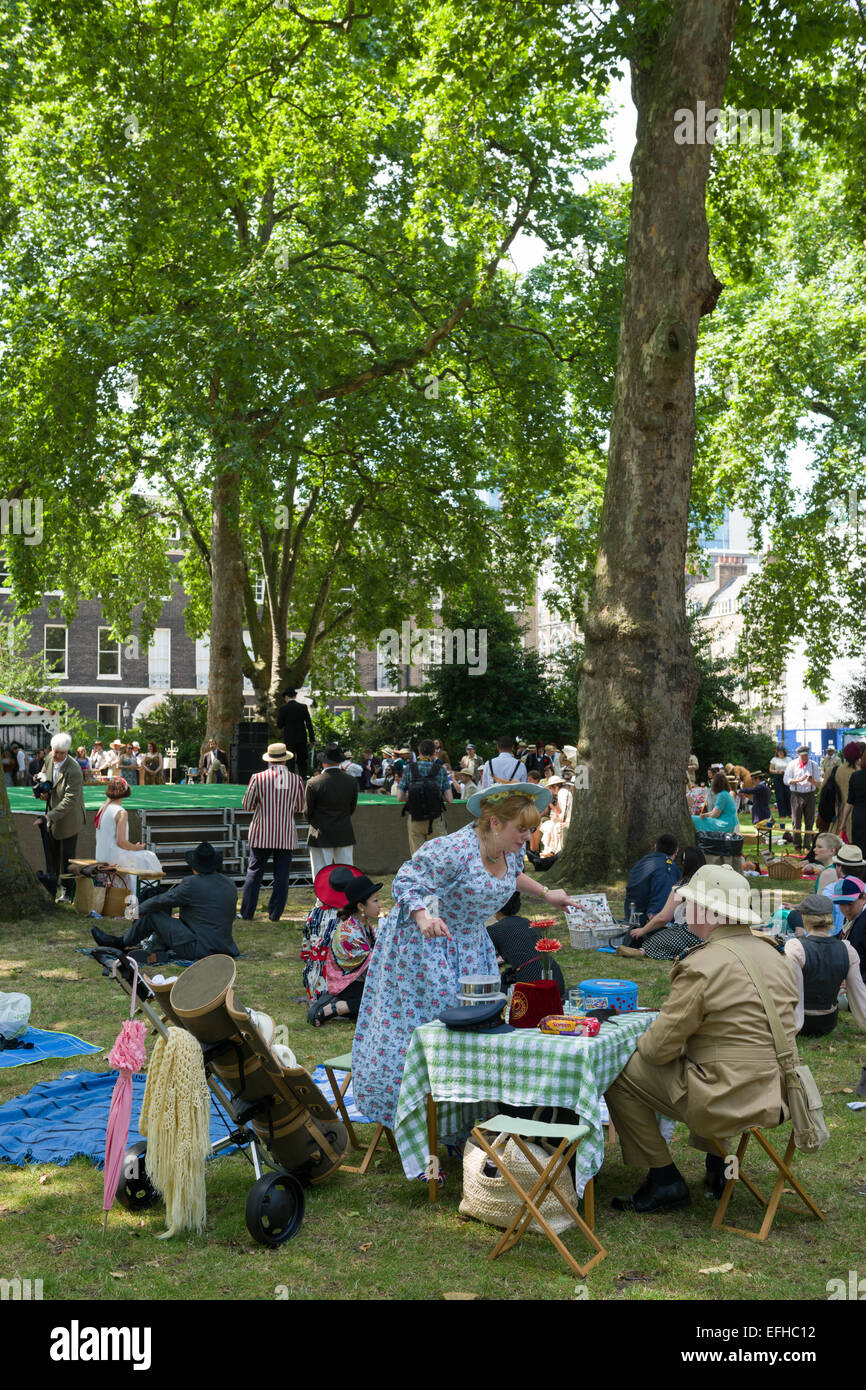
127 1055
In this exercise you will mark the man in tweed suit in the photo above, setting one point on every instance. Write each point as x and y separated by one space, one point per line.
275 797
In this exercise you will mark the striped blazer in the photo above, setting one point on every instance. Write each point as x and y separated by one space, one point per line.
275 797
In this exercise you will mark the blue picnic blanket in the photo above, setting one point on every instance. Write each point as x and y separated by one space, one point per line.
60 1120
321 1080
46 1044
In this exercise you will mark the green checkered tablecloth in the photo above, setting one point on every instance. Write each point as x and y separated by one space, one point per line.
470 1075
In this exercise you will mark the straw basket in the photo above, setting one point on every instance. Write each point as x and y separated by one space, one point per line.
787 868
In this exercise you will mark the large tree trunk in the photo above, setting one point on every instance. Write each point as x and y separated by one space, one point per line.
225 675
639 682
21 895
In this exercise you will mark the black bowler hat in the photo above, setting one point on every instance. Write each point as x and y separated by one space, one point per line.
357 890
477 1018
204 858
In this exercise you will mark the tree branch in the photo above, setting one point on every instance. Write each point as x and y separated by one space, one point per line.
380 370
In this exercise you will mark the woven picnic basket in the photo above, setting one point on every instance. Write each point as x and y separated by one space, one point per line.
494 1201
786 867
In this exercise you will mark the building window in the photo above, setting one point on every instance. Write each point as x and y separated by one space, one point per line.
4 572
55 649
108 664
258 591
382 680
159 660
108 716
345 709
202 662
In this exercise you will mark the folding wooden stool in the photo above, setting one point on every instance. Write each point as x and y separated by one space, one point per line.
344 1063
569 1137
771 1203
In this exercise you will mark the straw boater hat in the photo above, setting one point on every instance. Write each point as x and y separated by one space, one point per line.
501 791
277 753
555 781
849 857
723 891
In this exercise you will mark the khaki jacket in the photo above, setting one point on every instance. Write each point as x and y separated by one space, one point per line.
714 1022
65 806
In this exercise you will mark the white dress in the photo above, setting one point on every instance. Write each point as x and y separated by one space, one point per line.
109 852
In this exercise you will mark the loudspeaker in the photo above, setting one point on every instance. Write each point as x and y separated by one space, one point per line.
244 760
252 731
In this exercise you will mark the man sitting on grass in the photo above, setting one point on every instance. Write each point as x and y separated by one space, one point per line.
207 903
651 879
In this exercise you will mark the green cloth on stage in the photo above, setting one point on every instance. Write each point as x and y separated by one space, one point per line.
207 797
471 1075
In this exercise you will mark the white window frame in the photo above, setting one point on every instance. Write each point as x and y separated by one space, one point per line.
108 723
382 680
155 679
345 709
105 675
202 657
56 627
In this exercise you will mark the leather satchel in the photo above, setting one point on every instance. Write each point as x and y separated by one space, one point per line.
803 1097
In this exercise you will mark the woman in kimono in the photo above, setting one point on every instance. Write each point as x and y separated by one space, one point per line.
436 933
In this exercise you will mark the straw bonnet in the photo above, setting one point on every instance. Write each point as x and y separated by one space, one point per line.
723 891
277 753
501 791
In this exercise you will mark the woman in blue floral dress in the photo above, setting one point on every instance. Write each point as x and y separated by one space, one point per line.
437 933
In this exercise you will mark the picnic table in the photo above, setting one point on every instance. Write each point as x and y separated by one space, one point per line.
454 1078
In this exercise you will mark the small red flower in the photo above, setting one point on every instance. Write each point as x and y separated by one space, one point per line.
542 923
548 943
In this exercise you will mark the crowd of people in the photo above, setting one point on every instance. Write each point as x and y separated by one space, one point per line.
456 913
829 795
119 759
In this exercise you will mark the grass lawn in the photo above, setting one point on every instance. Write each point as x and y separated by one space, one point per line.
378 1236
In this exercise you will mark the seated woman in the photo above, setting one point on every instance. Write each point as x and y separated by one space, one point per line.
112 844
824 963
514 940
666 936
349 945
722 819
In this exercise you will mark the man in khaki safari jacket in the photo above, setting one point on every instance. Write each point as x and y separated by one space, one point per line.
708 1059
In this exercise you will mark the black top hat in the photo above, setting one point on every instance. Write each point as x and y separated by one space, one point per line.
333 753
357 890
204 858
477 1018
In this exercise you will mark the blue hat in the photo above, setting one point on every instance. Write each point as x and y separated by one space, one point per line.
500 791
477 1018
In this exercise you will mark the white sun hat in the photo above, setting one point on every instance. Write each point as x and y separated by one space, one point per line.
721 890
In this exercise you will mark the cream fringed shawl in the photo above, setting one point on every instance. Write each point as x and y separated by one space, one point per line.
175 1117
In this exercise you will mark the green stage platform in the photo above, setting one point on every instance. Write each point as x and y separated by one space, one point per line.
166 798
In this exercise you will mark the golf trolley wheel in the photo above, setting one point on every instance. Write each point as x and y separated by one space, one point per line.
135 1191
275 1208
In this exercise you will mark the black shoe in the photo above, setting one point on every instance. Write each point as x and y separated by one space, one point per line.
49 883
715 1179
102 938
672 1196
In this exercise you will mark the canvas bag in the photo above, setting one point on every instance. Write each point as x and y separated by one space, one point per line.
492 1200
804 1098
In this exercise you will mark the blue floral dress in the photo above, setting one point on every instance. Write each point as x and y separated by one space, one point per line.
410 979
